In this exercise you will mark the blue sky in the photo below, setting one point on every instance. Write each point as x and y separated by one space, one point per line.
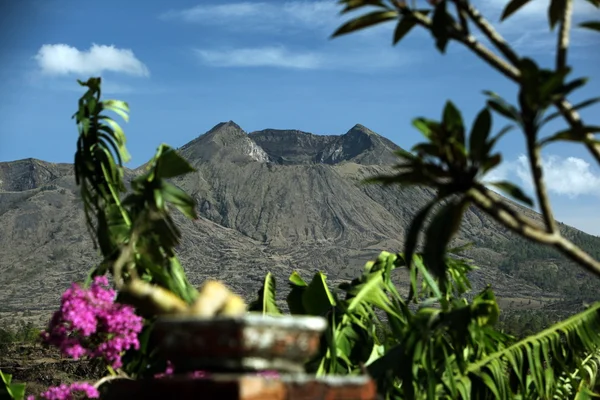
185 66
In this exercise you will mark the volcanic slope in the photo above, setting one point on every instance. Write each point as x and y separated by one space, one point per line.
271 200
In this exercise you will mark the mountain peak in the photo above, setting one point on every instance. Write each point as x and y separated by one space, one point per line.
228 124
362 128
226 140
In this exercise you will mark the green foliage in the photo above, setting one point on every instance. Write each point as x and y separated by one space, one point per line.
26 332
472 359
523 323
447 347
9 390
136 233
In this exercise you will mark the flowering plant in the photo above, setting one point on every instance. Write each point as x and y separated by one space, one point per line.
90 323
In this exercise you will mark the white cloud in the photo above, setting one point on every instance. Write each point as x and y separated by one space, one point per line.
357 60
259 57
570 176
257 15
62 59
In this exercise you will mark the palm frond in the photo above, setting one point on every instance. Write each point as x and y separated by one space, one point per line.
530 365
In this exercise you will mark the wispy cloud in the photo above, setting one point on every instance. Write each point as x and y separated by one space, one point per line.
62 59
369 50
325 59
261 16
260 57
564 176
528 29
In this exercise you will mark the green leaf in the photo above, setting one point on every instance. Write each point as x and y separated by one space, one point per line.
426 149
352 5
364 21
491 162
575 84
265 302
513 191
593 25
428 279
479 134
118 107
578 106
179 198
370 290
441 21
403 27
567 344
501 106
294 298
439 233
170 164
453 121
570 135
317 299
556 11
512 7
427 127
13 390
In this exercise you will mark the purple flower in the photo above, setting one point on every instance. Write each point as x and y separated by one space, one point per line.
168 371
269 374
199 374
89 323
67 392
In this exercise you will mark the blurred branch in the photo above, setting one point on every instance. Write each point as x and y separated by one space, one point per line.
563 36
511 72
489 31
573 118
535 163
525 227
469 40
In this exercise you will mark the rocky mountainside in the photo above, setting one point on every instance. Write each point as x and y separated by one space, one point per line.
272 200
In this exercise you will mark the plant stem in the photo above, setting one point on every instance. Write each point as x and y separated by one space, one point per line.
520 225
110 378
563 36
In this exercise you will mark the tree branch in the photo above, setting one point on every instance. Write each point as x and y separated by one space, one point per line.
563 36
482 51
535 163
518 224
574 120
512 73
462 15
489 31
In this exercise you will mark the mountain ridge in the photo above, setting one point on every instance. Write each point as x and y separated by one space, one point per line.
269 200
